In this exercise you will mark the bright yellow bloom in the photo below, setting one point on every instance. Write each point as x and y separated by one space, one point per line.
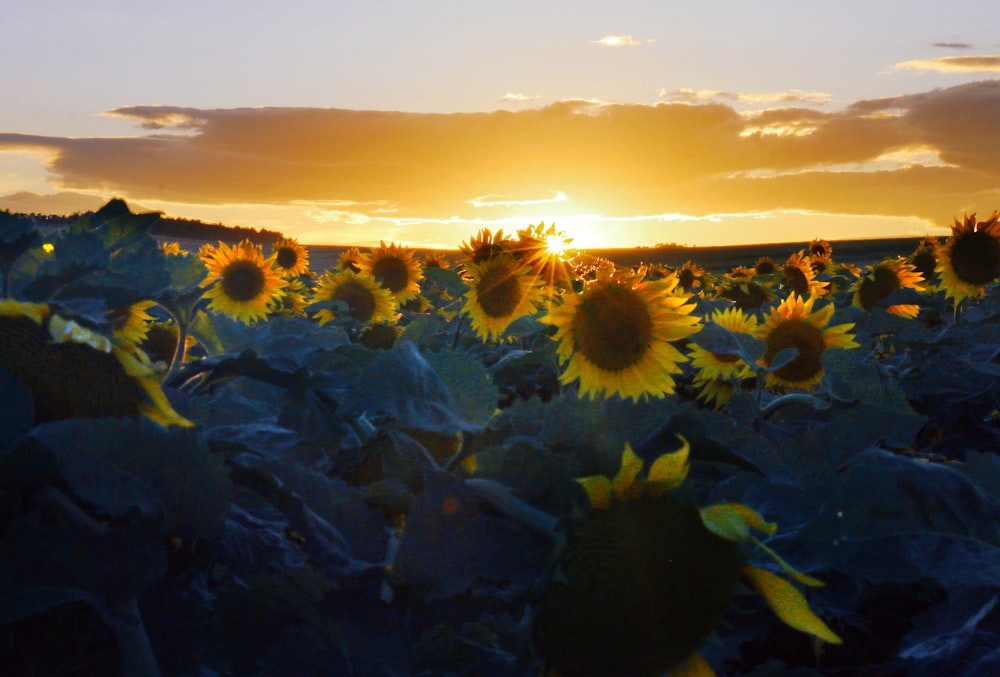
349 259
131 323
173 249
501 289
716 372
800 278
73 371
485 245
820 248
366 300
394 268
546 251
647 576
970 259
793 324
243 284
290 258
615 336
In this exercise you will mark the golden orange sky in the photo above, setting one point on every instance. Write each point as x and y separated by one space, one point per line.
698 173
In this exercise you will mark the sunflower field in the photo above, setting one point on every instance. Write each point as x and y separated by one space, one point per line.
518 462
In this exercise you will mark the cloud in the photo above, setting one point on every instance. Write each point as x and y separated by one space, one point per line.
953 45
512 97
929 155
987 63
618 41
693 96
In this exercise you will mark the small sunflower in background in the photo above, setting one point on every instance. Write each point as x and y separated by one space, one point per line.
745 295
436 260
395 269
173 249
74 372
485 244
367 301
820 248
242 283
615 335
924 257
131 323
690 275
764 266
349 259
290 258
970 259
793 324
821 265
718 371
799 277
884 278
293 299
501 289
644 579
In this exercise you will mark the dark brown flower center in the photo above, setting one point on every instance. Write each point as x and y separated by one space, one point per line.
391 272
924 261
807 339
746 298
66 380
686 278
612 327
796 280
975 257
287 258
765 267
359 299
499 292
242 281
882 282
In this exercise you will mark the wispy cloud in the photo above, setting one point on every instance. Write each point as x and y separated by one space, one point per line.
355 174
987 63
619 41
514 97
792 96
953 45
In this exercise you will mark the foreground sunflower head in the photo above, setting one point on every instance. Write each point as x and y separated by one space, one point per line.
73 372
501 289
647 576
615 335
970 259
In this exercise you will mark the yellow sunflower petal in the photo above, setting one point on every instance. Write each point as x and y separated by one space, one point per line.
598 488
788 603
668 471
733 521
625 477
692 666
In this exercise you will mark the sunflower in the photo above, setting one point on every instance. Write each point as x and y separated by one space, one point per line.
290 258
484 245
644 579
131 322
799 277
884 278
690 275
436 260
349 259
395 269
716 371
366 300
615 335
243 284
293 300
820 248
746 295
73 372
501 289
924 257
173 249
793 324
970 259
765 265
545 250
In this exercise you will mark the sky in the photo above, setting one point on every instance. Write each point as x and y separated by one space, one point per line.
420 122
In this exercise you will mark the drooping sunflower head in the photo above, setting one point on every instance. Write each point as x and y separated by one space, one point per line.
394 268
73 371
501 289
647 576
615 335
970 259
349 259
793 324
367 301
290 258
485 244
799 277
131 322
243 284
882 279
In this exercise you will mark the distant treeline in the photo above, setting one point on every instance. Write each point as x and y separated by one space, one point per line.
176 228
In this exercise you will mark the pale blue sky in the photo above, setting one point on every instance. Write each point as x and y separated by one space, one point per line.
64 64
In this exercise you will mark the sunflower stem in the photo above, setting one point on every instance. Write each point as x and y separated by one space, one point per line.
458 331
180 350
